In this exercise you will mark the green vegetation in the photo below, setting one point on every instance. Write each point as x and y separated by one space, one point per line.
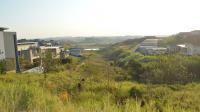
192 37
92 84
2 66
25 64
162 69
112 80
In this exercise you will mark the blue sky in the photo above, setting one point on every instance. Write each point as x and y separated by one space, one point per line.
48 18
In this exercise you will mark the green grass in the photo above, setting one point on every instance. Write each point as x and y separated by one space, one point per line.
24 97
27 92
98 93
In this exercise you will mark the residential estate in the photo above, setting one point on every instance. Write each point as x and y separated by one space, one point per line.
153 47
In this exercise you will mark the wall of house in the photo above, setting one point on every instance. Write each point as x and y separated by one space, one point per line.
26 46
23 47
9 45
58 50
54 51
196 50
2 48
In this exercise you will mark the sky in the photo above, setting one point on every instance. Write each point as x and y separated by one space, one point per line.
50 18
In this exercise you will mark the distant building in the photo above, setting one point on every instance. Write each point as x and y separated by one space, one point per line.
8 47
151 47
91 49
49 44
196 50
185 49
54 50
29 51
75 52
26 45
150 43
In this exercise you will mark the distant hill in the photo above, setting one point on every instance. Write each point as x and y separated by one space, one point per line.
93 39
192 37
130 44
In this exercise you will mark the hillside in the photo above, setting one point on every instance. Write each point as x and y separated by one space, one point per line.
93 85
128 45
114 79
192 37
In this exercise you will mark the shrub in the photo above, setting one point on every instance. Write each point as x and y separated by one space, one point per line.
135 68
166 69
137 92
25 63
66 60
2 67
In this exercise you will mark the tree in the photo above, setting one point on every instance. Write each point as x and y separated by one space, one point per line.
166 69
135 68
47 63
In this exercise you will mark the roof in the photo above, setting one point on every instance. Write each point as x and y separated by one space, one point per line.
3 28
181 45
152 47
150 42
158 48
51 47
146 46
25 43
74 48
92 49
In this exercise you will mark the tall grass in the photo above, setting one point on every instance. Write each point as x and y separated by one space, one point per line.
33 94
23 97
59 92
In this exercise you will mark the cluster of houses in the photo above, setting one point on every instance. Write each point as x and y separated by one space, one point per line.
186 49
31 51
153 47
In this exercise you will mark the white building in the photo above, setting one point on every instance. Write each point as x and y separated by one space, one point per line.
196 50
151 47
54 50
150 42
8 46
189 49
185 49
29 51
26 45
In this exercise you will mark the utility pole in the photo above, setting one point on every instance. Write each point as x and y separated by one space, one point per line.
16 54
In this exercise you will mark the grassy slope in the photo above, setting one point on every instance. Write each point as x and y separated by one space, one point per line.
99 92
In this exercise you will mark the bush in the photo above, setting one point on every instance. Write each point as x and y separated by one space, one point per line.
2 67
66 60
25 64
135 68
137 91
166 69
51 64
